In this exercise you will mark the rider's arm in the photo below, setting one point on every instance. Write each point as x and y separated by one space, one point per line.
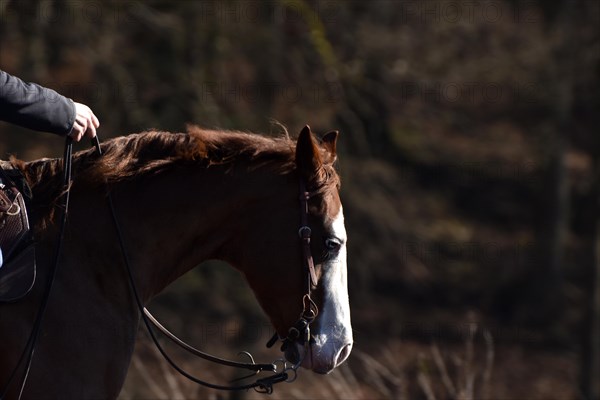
35 107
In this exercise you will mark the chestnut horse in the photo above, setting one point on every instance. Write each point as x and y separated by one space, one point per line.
180 199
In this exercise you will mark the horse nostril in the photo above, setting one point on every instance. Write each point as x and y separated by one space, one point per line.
343 354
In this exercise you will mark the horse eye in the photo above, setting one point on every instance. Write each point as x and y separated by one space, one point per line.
332 244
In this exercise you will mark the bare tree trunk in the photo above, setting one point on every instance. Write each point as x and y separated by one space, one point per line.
593 372
549 302
576 12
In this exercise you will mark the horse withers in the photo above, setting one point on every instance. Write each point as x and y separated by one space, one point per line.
180 199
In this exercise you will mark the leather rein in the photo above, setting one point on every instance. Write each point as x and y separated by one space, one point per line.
281 370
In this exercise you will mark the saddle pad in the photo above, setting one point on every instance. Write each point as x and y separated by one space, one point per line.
18 276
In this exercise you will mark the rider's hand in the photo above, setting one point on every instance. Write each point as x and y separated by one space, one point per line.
85 123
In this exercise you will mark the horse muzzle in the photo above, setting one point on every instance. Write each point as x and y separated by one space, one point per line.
322 355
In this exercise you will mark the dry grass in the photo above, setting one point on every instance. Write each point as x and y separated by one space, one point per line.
477 368
471 381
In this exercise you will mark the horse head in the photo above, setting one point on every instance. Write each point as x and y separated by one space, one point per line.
276 261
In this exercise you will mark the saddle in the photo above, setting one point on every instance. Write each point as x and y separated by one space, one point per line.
17 273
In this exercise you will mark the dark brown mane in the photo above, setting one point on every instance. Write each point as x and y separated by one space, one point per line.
152 152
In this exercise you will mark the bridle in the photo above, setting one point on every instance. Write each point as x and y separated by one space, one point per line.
300 331
280 369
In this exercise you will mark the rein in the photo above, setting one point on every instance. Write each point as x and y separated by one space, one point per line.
262 385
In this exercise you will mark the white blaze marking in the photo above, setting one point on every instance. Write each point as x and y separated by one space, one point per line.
334 327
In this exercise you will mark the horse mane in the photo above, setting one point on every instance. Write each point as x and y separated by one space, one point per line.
152 152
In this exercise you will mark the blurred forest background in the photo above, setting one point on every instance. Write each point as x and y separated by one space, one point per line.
469 154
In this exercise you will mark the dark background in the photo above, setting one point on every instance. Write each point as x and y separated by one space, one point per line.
468 152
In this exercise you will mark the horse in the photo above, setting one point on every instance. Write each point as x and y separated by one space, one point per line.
180 199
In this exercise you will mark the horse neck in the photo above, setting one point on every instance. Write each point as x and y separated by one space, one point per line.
173 221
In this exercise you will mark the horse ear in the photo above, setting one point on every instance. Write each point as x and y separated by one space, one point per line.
329 141
308 159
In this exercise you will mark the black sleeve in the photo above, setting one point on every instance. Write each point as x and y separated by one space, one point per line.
35 107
